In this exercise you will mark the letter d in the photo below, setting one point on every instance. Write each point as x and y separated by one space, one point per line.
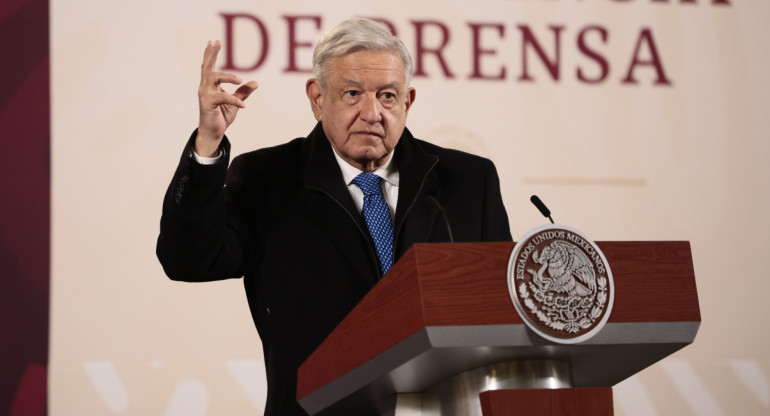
230 44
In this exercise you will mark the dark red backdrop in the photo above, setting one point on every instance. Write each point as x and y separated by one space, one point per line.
24 206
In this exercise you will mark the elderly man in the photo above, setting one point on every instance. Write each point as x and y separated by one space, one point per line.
313 224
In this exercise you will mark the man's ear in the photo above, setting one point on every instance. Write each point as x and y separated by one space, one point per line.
411 94
313 91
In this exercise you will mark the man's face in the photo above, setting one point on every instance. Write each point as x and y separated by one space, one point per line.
363 106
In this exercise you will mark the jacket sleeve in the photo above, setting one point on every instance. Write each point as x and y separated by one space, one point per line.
197 240
495 225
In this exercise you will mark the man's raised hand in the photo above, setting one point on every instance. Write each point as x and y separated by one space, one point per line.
218 108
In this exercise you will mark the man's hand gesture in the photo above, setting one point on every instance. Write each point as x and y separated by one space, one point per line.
218 108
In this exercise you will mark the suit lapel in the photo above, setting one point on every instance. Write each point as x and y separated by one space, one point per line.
322 173
418 181
329 200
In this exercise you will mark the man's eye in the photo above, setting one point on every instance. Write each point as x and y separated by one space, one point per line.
351 93
388 99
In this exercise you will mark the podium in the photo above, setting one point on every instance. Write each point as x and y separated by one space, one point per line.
439 335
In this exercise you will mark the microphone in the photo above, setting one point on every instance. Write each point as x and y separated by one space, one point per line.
541 206
437 206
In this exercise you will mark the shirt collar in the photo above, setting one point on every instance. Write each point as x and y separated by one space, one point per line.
388 171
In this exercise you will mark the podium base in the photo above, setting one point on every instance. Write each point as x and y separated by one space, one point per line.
459 395
594 401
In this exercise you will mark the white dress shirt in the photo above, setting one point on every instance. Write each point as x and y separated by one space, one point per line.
387 172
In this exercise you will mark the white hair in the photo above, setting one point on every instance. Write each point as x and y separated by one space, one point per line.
355 35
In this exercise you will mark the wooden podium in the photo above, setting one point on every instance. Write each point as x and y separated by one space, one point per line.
440 335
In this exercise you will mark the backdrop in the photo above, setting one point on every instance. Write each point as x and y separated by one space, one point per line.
632 119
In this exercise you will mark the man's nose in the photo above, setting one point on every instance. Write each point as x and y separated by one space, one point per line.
370 109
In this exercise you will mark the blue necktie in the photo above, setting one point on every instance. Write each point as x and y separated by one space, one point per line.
377 217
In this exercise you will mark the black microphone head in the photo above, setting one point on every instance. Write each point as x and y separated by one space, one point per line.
540 206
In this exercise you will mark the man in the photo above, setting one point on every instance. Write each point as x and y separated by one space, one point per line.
296 220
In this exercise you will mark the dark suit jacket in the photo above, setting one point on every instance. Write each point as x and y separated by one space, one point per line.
287 223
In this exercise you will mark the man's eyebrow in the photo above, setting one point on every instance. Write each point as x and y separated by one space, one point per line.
394 85
349 82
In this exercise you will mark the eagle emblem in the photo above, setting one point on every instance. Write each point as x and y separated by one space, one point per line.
569 270
560 284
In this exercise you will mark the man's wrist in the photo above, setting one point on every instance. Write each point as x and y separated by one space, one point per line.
208 160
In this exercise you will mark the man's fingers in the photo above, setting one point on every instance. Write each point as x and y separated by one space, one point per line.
246 89
210 56
224 78
211 93
223 97
213 81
